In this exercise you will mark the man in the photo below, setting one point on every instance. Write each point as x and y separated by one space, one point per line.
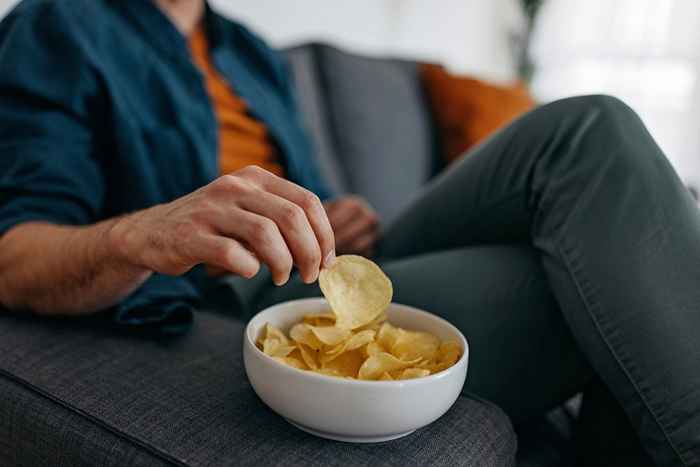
116 116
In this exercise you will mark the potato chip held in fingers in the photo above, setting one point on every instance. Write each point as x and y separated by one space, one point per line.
356 289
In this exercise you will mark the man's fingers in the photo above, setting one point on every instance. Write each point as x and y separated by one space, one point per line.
368 222
224 253
303 198
364 245
261 236
295 227
343 212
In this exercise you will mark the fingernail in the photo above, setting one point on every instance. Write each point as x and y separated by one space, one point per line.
280 283
329 259
309 280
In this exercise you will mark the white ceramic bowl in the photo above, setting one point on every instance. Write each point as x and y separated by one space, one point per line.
345 409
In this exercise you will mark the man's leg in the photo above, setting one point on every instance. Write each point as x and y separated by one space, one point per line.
619 239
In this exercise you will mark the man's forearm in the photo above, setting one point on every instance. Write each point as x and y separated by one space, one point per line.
64 270
235 223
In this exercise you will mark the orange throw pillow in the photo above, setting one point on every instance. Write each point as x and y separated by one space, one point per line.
467 110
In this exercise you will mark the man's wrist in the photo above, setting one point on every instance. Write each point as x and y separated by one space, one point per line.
120 244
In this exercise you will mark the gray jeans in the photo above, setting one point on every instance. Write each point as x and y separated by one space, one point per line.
563 247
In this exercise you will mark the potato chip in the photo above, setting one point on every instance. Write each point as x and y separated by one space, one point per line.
309 356
374 324
362 353
346 364
271 332
291 361
410 345
382 362
387 336
355 342
274 343
275 348
373 348
264 334
320 319
356 289
301 333
450 352
330 335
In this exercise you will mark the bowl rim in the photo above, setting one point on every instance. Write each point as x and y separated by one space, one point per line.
361 382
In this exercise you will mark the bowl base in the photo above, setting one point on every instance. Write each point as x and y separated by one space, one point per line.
350 439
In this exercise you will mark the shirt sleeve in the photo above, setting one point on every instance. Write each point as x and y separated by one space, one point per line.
49 117
52 128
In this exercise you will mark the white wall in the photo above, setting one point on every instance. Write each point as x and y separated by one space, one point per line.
5 5
471 36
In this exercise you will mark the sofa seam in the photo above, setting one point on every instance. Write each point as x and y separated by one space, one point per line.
148 447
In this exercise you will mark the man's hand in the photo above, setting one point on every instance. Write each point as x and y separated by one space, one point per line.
234 223
355 224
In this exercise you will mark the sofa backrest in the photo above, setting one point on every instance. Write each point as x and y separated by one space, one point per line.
370 123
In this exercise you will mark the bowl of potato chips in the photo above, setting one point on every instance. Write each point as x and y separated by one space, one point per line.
354 366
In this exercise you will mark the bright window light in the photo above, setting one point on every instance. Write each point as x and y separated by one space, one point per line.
646 52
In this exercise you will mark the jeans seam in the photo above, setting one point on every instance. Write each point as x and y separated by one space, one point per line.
610 347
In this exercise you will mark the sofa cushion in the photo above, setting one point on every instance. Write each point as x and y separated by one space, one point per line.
39 431
380 124
468 110
75 393
302 61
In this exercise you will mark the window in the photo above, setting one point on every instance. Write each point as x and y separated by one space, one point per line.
642 51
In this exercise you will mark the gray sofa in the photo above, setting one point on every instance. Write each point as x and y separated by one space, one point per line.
79 392
370 124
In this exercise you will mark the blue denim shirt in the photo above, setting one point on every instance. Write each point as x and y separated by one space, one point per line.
102 112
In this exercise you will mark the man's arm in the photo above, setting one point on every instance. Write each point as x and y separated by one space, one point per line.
234 223
70 270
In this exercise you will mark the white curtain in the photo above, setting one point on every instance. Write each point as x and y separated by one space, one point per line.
647 52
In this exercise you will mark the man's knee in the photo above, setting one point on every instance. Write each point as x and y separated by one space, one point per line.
606 127
593 105
602 117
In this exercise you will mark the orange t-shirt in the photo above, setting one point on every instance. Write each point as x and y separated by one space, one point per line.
243 140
